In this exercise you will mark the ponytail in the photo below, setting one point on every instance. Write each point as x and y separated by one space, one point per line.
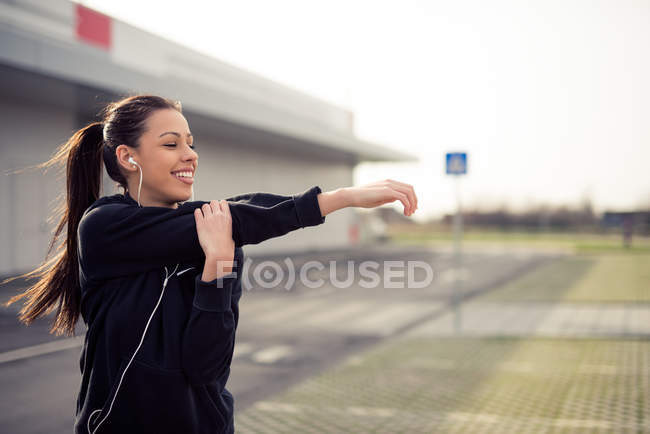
57 287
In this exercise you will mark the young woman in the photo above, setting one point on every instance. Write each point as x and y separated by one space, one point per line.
156 277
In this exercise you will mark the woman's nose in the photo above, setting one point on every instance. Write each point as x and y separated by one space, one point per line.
191 154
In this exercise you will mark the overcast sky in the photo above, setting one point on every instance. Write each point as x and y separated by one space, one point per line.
550 99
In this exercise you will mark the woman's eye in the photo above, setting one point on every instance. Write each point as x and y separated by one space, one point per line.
174 144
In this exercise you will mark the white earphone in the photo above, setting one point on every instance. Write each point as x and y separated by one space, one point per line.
131 160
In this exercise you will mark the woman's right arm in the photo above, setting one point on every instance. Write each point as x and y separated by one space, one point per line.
209 335
214 229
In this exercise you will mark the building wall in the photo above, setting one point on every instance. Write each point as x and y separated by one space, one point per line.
29 134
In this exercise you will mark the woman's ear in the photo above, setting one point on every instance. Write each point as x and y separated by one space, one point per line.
123 154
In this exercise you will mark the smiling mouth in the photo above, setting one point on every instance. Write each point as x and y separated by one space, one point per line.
186 180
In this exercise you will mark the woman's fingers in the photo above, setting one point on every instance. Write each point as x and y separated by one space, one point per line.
209 209
214 229
410 197
396 194
406 189
214 207
226 214
225 207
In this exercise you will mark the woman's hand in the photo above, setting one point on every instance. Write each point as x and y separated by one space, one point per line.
381 192
214 228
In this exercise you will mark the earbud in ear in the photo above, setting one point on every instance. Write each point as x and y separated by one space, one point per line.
131 160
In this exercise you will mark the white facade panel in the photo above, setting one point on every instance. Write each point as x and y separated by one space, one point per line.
29 135
135 49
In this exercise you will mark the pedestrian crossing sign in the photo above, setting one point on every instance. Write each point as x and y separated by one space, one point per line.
456 163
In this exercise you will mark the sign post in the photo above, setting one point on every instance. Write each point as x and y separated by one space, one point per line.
457 166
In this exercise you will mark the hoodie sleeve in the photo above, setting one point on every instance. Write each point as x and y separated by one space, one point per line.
259 216
118 239
209 336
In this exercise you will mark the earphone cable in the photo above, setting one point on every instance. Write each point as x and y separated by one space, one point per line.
140 186
167 276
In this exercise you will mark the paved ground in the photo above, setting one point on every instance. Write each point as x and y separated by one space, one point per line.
542 342
285 336
470 385
562 348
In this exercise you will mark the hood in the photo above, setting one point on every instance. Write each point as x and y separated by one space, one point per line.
115 198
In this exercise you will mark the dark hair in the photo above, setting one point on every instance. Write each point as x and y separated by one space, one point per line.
122 122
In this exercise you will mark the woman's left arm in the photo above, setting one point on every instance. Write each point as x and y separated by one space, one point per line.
259 216
369 196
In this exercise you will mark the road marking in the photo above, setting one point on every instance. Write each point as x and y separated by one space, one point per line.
40 349
271 354
337 313
293 311
453 274
277 407
371 411
599 369
389 318
253 306
242 349
582 423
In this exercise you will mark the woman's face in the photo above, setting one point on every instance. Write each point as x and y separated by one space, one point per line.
165 150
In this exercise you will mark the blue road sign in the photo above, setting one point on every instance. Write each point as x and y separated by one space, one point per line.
456 163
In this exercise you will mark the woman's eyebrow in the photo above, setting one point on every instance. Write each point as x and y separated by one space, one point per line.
175 133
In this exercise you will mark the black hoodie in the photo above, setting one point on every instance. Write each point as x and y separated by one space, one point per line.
157 352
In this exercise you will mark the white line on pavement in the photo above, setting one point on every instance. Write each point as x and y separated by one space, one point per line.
40 349
271 354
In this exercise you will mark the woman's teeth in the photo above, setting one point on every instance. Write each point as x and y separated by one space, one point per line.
185 177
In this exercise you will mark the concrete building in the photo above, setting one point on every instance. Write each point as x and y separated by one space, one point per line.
60 63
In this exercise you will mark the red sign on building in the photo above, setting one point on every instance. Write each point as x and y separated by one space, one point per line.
93 27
